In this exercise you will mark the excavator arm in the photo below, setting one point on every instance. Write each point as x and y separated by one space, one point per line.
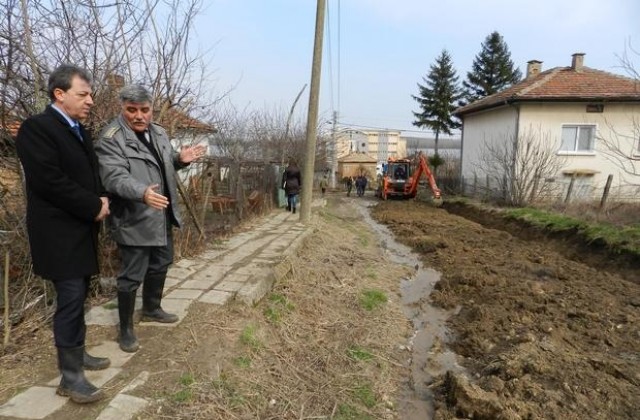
423 168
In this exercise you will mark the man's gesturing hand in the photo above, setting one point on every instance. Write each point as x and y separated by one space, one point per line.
153 199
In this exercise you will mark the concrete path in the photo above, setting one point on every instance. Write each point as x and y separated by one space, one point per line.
243 268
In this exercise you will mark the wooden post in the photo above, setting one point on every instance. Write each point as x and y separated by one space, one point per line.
534 190
505 189
5 288
487 190
208 177
605 194
475 185
187 204
570 189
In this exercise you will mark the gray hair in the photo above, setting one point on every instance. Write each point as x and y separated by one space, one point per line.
137 94
61 77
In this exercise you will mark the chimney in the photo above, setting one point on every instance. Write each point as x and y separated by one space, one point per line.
577 61
533 68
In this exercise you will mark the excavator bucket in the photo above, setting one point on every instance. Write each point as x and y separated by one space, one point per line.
437 202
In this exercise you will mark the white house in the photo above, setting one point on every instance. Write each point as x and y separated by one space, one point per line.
590 119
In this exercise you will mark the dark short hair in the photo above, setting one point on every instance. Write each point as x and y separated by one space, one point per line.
61 77
137 94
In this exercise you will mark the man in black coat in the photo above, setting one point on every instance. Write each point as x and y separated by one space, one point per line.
64 208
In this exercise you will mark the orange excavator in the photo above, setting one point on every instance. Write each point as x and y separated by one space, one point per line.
401 177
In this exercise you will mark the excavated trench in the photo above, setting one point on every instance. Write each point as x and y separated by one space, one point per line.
545 324
429 357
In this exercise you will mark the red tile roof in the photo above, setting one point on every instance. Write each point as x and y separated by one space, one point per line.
563 84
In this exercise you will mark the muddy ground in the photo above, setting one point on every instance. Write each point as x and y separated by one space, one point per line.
540 336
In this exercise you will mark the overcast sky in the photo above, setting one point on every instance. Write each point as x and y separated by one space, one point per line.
263 48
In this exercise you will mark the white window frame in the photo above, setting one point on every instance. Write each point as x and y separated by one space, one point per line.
575 150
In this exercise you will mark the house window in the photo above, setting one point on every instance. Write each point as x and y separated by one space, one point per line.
578 138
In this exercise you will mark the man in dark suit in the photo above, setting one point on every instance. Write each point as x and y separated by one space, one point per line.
64 208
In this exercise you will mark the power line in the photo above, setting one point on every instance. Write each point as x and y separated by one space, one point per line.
342 123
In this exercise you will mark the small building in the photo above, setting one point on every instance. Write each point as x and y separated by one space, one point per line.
356 164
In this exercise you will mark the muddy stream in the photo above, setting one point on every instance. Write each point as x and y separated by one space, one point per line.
428 355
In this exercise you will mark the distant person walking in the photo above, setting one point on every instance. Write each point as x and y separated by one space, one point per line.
361 185
349 185
323 185
291 183
65 203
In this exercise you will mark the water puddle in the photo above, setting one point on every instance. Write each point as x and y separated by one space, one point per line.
429 357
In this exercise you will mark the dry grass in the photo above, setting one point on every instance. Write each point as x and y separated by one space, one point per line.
615 213
313 348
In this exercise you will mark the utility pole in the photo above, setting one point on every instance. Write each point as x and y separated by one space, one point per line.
312 117
334 151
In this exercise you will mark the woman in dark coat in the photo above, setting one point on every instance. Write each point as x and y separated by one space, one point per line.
291 183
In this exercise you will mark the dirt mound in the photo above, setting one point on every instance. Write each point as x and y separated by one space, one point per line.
543 336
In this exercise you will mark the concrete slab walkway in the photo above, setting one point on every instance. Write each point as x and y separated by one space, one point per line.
243 268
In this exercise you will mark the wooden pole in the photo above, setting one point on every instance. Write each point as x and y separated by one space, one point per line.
7 326
534 189
487 189
570 189
475 185
187 204
605 194
312 117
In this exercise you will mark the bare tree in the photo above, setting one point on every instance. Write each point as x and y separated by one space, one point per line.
521 164
120 42
622 146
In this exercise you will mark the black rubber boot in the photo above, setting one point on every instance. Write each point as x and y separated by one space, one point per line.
151 298
73 383
94 363
294 210
127 337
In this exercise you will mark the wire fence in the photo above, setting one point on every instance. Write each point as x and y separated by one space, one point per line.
216 196
564 190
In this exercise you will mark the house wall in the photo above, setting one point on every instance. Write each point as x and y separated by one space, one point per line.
615 125
355 169
497 125
618 124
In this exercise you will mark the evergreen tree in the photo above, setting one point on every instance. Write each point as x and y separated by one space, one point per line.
438 98
492 70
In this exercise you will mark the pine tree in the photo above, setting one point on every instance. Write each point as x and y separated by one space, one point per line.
438 98
492 70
